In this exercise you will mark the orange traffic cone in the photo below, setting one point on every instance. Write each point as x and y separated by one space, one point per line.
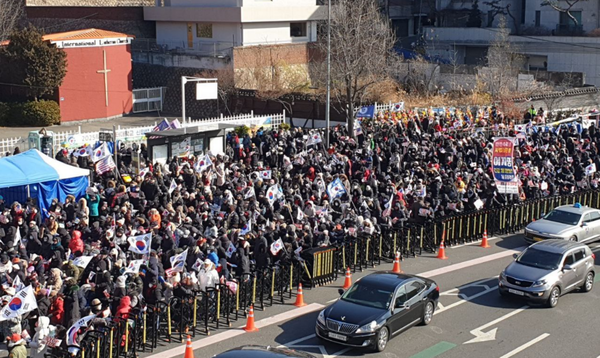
397 268
250 327
442 253
300 298
484 242
348 281
189 351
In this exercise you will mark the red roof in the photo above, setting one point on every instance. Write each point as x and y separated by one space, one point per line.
86 34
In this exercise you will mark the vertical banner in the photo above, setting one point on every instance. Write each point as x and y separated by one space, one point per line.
503 167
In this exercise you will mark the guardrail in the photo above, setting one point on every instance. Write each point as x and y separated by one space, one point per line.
557 94
218 307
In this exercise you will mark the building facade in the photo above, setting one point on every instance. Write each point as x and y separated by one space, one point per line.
205 24
98 83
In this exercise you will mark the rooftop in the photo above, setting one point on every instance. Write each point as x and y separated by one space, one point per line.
85 34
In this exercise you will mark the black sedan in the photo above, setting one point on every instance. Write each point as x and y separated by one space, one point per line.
377 307
262 352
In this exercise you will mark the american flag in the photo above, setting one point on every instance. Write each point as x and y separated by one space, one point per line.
105 164
162 126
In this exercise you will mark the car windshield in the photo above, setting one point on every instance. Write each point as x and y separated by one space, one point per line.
563 217
367 294
540 259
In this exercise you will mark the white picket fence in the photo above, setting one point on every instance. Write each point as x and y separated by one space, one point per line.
137 134
8 145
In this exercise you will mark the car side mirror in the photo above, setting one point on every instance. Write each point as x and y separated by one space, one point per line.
515 256
567 268
341 291
584 224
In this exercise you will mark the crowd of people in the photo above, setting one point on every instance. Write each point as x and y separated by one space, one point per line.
272 195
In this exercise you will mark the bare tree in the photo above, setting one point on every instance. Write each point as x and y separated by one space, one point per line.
361 46
266 70
564 6
503 64
226 79
499 8
421 76
10 13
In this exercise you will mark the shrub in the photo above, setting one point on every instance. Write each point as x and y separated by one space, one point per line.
285 126
5 110
37 113
594 33
241 131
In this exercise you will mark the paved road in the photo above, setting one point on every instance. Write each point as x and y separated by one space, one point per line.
470 307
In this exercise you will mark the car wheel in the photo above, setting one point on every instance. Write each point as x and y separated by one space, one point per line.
428 311
382 339
588 284
573 238
553 298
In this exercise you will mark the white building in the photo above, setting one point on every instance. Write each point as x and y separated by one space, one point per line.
542 53
587 14
201 24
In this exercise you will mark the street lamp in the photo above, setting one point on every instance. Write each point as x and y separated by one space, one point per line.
328 101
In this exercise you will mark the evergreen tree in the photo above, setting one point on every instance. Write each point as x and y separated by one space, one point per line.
474 19
31 62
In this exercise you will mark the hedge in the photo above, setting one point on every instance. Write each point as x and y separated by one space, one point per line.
33 113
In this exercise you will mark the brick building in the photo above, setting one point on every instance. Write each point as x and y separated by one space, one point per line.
98 83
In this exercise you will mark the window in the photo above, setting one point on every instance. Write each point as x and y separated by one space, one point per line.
595 215
412 289
538 18
564 18
298 29
587 218
204 31
569 259
579 255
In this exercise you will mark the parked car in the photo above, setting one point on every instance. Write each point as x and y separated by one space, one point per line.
548 269
376 308
262 352
568 222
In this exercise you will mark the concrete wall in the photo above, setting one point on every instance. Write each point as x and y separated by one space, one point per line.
149 76
174 34
179 60
275 33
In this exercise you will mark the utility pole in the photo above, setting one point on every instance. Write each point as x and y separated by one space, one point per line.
328 101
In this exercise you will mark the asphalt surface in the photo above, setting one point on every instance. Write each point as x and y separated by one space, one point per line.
469 303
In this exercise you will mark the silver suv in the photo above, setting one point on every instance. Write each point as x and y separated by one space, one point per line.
548 269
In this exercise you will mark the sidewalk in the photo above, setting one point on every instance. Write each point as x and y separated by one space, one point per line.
134 120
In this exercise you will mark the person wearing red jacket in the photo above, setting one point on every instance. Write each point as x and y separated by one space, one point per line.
76 244
57 311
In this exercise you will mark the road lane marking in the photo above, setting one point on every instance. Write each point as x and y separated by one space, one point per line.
464 298
478 242
204 342
525 346
481 336
435 350
473 262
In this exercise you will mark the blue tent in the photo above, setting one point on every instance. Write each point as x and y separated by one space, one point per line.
36 175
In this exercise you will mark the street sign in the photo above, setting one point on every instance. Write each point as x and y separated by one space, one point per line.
105 137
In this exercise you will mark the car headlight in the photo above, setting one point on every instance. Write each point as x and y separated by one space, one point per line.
321 317
502 276
539 283
370 327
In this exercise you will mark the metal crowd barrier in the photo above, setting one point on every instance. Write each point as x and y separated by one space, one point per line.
217 307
